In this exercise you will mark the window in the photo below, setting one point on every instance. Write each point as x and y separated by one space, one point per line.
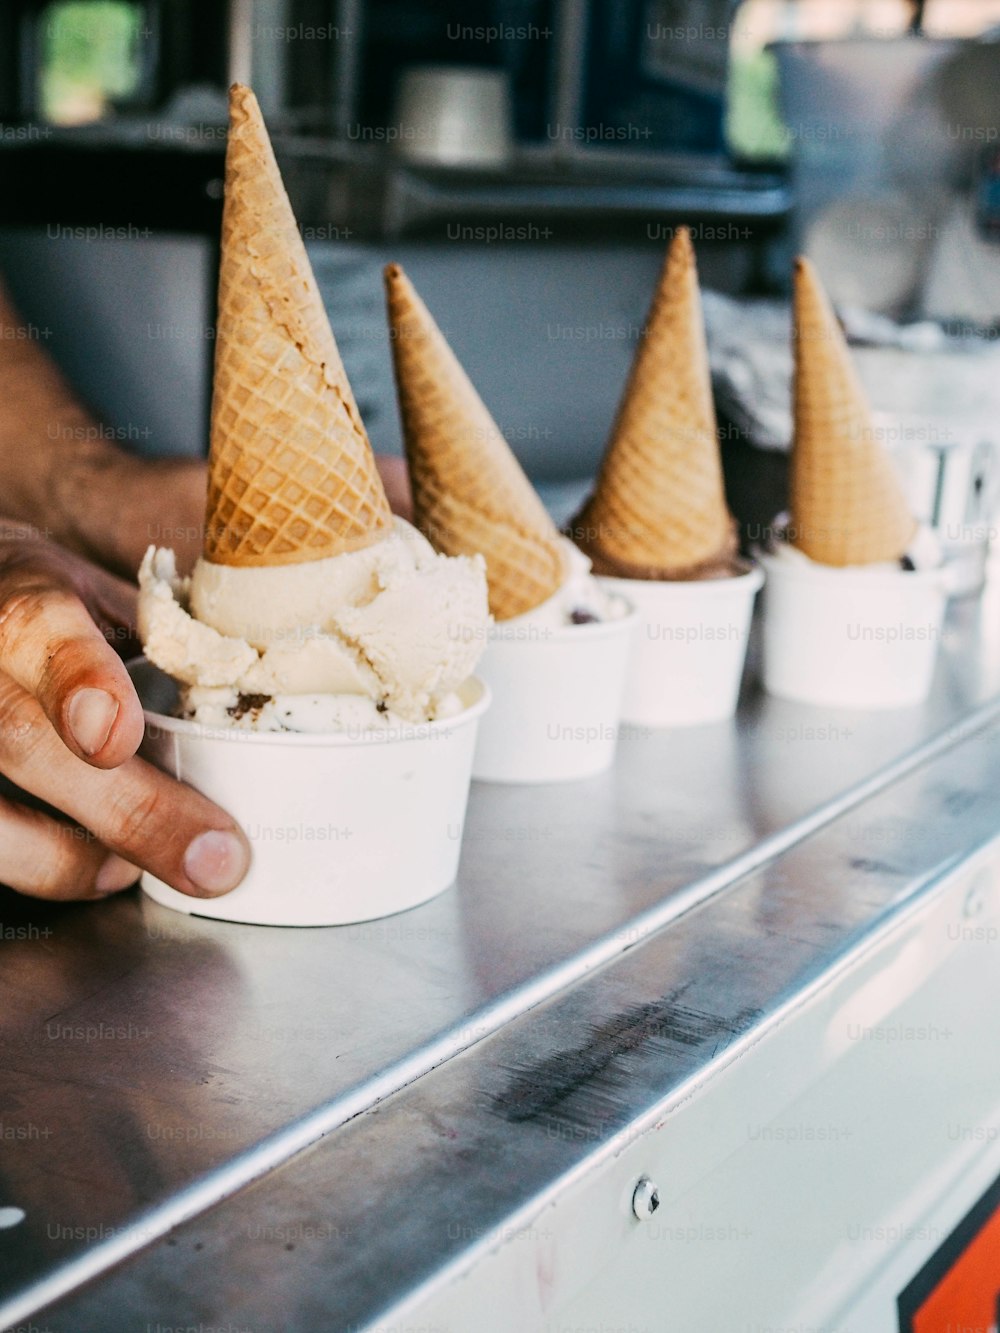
754 127
93 55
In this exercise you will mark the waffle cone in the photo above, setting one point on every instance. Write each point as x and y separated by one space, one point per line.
292 476
846 500
659 510
470 494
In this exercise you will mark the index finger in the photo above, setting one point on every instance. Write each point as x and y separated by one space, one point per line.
51 646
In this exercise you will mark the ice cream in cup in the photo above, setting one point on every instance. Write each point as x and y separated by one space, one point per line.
556 656
855 590
657 528
315 670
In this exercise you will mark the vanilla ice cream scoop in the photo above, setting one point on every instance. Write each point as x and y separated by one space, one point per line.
395 623
265 604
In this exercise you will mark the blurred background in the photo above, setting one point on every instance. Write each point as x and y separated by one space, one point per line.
528 161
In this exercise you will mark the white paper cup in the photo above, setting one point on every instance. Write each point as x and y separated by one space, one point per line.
345 826
688 649
865 639
557 697
454 115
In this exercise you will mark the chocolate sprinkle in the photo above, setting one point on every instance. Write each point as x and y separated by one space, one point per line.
248 703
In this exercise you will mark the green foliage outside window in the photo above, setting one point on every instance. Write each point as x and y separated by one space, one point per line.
91 56
754 126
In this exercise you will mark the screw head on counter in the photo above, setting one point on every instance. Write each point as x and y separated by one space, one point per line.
645 1199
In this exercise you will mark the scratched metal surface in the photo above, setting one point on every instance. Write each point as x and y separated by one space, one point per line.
356 1228
153 1063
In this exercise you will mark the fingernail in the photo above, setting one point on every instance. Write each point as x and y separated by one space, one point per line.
216 861
90 715
114 875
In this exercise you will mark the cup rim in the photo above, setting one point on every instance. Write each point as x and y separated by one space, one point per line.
859 576
748 580
591 629
416 731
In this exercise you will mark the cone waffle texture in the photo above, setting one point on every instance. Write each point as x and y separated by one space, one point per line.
659 508
292 476
847 503
470 494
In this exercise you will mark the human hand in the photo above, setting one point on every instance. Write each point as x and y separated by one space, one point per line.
70 724
396 480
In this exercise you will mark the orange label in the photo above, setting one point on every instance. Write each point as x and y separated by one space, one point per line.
958 1289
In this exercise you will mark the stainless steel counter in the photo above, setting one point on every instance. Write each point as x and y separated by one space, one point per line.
609 945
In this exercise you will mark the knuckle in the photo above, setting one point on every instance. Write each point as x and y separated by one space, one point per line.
20 615
23 726
135 818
